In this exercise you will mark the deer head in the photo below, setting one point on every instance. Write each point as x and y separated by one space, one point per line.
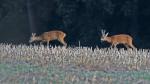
104 35
33 38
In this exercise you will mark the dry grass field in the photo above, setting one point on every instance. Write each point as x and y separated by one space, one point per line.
38 64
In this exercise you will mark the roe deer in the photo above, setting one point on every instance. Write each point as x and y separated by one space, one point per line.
49 36
124 39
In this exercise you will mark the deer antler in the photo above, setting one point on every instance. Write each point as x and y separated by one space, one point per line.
104 32
33 34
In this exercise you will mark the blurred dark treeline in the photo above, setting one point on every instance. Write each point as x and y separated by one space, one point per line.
82 20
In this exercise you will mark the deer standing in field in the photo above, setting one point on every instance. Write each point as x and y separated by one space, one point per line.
124 39
49 36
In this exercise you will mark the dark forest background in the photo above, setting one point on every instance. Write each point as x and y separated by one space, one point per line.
82 20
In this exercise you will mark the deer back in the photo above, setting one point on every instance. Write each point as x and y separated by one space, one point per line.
121 38
53 35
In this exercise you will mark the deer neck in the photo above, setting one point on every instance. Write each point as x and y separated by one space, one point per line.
38 38
109 39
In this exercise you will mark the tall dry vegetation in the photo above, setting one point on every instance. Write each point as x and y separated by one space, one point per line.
107 57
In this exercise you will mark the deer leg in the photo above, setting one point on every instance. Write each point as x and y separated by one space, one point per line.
126 45
132 46
41 42
47 43
111 46
63 42
114 45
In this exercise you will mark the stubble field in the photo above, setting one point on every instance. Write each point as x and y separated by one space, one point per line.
38 64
